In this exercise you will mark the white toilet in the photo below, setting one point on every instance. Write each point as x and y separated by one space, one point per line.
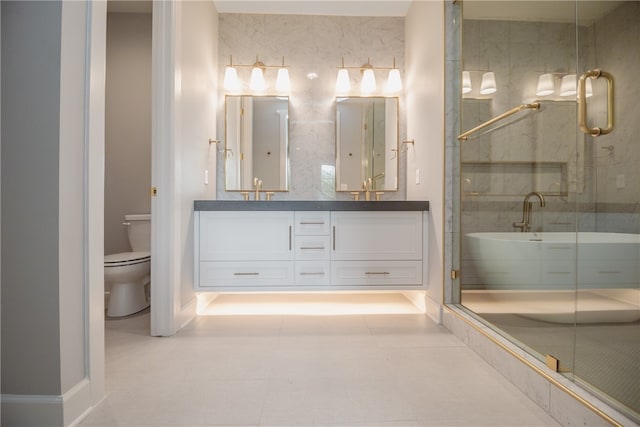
127 273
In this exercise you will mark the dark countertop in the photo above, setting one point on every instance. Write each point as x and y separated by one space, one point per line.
309 205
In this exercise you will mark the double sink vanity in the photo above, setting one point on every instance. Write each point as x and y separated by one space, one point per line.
266 245
310 245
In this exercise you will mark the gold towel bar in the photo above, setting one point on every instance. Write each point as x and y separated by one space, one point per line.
532 106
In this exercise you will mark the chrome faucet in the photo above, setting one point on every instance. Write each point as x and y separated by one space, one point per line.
257 183
527 208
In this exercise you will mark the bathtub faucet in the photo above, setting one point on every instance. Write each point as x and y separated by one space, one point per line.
527 208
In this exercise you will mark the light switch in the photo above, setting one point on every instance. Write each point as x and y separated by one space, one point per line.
206 176
417 176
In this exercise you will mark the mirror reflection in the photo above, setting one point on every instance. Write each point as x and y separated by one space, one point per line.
366 143
256 142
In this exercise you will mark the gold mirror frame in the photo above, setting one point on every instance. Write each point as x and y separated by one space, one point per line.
239 151
385 179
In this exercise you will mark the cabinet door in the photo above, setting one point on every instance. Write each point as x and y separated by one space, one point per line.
246 236
376 236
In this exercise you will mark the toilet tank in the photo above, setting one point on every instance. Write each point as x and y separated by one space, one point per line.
139 230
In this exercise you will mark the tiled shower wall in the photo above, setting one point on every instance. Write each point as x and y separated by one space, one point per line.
496 168
312 44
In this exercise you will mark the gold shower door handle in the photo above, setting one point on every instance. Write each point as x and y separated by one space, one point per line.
582 102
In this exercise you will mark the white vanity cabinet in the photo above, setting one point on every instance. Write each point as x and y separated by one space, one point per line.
273 250
376 248
244 250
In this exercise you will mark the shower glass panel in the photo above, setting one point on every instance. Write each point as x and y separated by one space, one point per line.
549 220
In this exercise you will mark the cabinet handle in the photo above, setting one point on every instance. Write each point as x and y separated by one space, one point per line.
311 223
319 248
289 237
334 237
312 274
377 272
246 274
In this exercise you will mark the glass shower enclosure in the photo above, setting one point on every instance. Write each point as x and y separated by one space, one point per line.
548 185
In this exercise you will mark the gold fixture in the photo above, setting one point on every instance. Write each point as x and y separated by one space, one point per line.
533 106
154 191
454 274
552 363
257 183
245 195
368 82
379 195
257 83
582 102
214 141
356 195
269 195
527 208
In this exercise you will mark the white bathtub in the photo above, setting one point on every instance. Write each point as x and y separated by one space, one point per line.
534 275
532 261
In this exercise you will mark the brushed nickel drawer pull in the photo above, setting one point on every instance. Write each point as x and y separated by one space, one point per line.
334 237
246 274
289 237
312 274
312 248
377 272
311 223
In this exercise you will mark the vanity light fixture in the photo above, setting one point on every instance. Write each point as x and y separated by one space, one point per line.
343 84
283 84
257 82
546 85
466 82
368 82
394 82
488 84
231 81
568 86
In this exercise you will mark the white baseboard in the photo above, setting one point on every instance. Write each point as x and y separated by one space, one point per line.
433 309
47 410
187 313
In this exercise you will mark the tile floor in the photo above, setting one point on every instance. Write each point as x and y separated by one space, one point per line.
274 369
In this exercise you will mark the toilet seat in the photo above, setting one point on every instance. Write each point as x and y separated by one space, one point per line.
126 258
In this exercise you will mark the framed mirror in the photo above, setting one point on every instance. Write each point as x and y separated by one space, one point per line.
366 143
256 142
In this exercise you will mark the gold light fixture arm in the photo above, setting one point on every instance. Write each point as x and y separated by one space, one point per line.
582 102
532 106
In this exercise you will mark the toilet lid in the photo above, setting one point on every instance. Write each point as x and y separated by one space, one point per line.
126 258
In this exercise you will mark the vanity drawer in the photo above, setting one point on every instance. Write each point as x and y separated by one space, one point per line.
246 274
312 223
309 273
380 273
312 248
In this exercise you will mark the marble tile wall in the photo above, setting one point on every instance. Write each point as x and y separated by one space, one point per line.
589 179
312 44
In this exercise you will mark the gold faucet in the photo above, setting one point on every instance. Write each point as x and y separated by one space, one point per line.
258 184
527 208
367 184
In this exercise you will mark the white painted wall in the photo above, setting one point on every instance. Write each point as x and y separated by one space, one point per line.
424 71
52 218
128 124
